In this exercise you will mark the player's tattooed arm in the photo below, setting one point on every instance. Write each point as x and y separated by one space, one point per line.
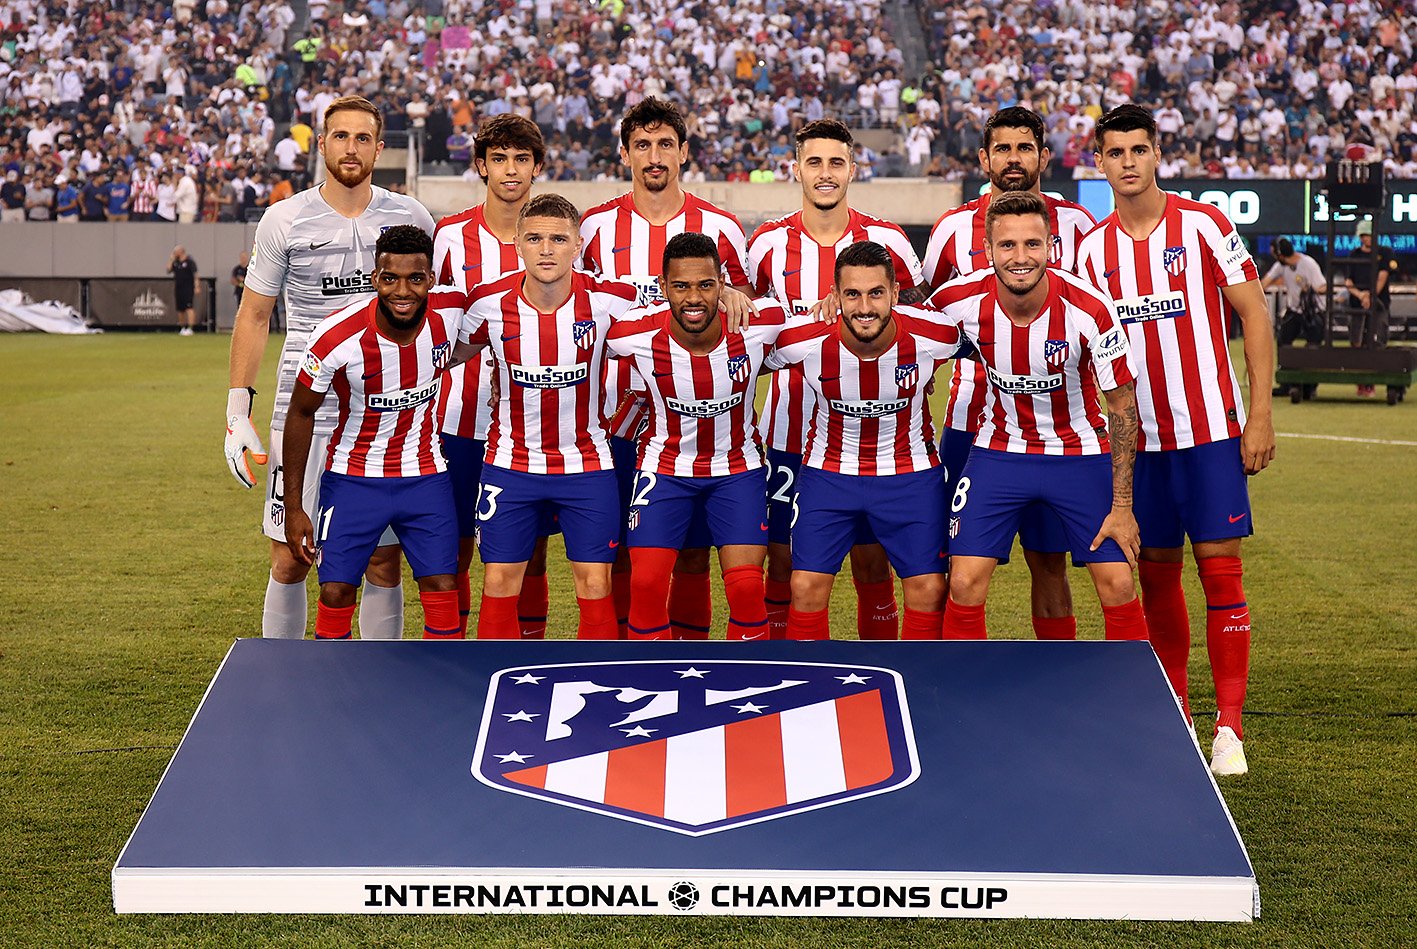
913 296
465 351
299 430
1122 423
1257 438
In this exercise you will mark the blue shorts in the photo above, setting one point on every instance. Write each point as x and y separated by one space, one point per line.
1198 492
1040 529
734 508
905 512
627 460
465 465
355 511
783 467
514 506
998 487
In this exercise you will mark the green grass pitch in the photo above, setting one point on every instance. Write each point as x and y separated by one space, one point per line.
134 560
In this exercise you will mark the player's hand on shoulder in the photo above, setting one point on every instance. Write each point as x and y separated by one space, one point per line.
738 309
827 309
241 437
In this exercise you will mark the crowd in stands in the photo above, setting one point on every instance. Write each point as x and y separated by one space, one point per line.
170 109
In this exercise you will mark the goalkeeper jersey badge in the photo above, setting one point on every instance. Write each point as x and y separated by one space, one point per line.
696 747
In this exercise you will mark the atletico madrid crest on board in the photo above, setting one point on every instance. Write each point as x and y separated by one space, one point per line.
696 747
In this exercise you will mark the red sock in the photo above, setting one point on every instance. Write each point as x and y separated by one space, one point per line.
597 619
440 614
620 595
778 598
333 622
497 618
649 592
464 601
877 615
1124 622
1227 637
922 625
963 622
804 625
690 608
1167 622
747 611
1055 627
532 606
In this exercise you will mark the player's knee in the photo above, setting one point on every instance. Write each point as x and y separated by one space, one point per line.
810 591
1115 585
693 560
437 583
779 563
925 592
337 595
385 567
284 567
869 564
968 587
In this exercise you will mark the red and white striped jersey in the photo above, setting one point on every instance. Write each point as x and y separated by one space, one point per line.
622 245
786 262
548 372
466 253
956 248
1043 378
1167 288
701 419
386 394
870 417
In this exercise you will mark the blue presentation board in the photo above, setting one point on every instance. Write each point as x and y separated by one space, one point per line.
992 779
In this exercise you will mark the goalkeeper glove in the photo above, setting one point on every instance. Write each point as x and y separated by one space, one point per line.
241 436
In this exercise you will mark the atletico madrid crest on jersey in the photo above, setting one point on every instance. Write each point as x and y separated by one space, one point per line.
907 375
696 747
1055 352
738 368
1055 250
441 354
583 332
1174 260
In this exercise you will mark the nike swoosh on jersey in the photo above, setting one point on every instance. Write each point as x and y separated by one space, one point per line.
788 273
512 337
367 376
616 250
477 266
976 253
828 378
1108 275
315 246
660 375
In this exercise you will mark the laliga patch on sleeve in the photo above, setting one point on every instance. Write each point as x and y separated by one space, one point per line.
1235 252
1112 344
311 366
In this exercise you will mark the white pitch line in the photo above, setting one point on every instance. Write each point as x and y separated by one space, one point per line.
1345 438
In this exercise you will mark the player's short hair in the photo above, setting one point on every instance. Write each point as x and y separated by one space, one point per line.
1015 204
832 129
1014 117
404 239
653 111
550 205
690 244
1283 248
509 131
1128 117
356 104
865 254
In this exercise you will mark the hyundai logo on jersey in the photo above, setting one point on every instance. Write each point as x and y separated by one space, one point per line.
696 747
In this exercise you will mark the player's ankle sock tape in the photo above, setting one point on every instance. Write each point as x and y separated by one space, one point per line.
650 569
497 618
1227 635
286 611
440 614
1126 621
802 624
922 624
690 605
963 622
597 619
532 606
747 609
464 600
380 612
1055 627
621 593
1168 625
333 622
877 613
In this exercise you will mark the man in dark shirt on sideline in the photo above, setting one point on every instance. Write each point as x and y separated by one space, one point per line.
184 287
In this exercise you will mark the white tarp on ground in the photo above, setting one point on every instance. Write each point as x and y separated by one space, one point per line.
19 314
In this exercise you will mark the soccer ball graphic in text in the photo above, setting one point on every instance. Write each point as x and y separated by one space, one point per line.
684 895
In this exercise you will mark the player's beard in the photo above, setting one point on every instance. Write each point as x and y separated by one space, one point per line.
874 333
1008 287
1025 183
656 185
412 323
710 313
348 177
